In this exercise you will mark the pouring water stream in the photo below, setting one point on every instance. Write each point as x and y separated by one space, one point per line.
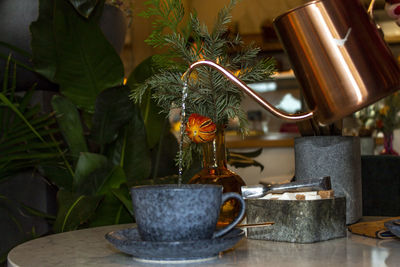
182 130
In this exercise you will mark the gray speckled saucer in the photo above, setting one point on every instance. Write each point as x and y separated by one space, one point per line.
129 241
394 227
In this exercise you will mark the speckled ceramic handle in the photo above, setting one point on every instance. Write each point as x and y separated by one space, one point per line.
229 227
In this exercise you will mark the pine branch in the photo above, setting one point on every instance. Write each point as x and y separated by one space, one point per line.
210 93
224 17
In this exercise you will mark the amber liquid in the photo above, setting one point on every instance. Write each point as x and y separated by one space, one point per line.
230 181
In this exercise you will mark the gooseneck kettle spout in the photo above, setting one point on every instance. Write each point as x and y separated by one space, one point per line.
276 112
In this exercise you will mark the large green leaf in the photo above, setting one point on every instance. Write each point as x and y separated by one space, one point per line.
114 180
73 52
113 110
101 179
70 124
110 211
130 150
58 175
164 155
136 159
95 179
44 51
115 151
152 117
85 173
153 120
84 7
124 197
74 210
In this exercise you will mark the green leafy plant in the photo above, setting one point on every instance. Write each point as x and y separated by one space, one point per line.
73 52
103 162
109 143
95 144
210 94
26 142
26 134
85 194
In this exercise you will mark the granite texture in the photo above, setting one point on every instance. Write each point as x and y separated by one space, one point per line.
335 156
87 248
129 241
185 212
299 221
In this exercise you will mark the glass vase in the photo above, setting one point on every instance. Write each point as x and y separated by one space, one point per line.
215 171
388 145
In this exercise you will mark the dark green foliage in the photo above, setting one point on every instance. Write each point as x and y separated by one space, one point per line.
136 158
26 142
153 119
26 134
73 52
74 209
70 125
94 191
161 141
106 139
105 143
112 110
118 153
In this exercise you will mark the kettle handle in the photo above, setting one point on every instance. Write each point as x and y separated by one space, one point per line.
276 112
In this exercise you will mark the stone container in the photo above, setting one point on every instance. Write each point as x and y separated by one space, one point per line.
335 156
297 221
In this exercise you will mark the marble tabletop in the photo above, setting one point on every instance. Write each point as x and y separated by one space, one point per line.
88 247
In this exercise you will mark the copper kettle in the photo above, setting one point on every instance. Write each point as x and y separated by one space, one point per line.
338 56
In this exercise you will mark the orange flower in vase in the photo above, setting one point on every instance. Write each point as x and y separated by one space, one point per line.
200 129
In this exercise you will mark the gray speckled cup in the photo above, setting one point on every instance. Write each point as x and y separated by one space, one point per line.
181 212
